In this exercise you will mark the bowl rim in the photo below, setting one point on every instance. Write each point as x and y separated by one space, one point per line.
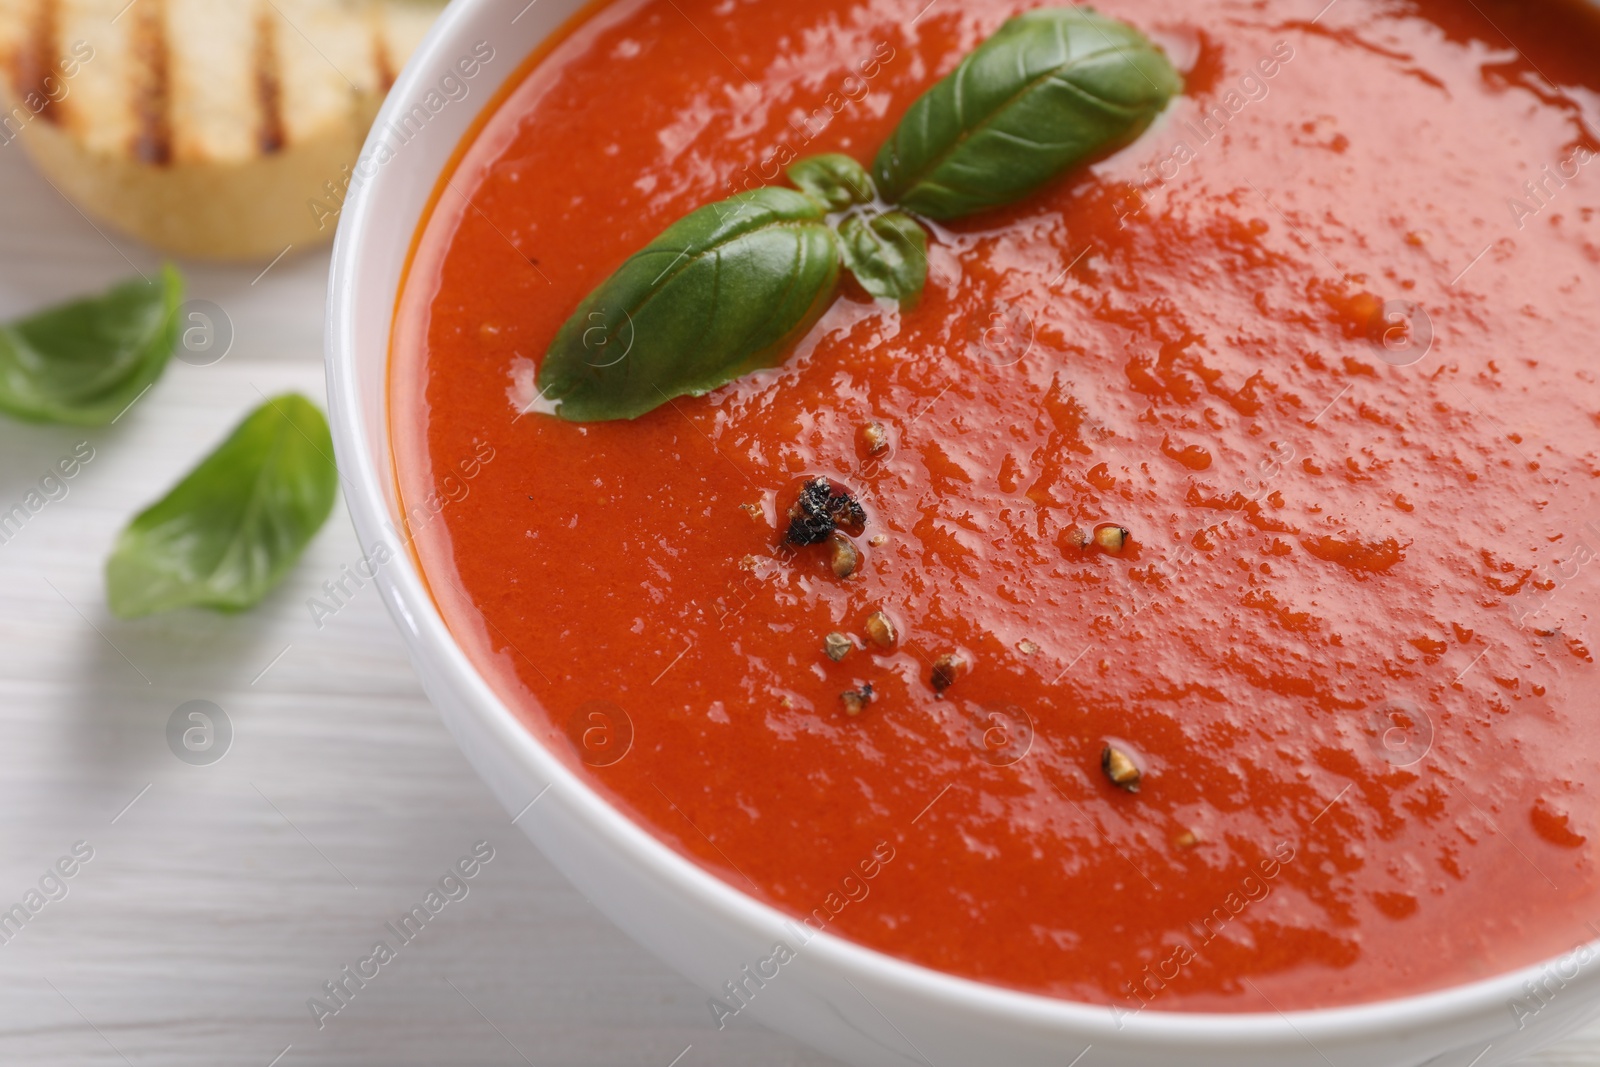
407 597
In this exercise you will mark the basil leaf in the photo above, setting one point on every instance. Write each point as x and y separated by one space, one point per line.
888 254
836 180
1051 89
230 531
84 362
719 293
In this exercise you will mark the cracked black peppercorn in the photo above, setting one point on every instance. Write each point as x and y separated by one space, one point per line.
819 510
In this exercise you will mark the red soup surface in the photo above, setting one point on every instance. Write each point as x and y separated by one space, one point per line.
1322 341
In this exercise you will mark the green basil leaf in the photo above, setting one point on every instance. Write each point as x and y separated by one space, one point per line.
1051 89
888 254
836 180
719 293
229 532
84 362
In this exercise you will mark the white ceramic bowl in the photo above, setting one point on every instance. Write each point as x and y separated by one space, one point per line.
856 1004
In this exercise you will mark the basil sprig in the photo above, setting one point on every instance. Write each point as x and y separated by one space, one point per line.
727 288
85 361
888 254
836 180
1050 90
718 294
231 529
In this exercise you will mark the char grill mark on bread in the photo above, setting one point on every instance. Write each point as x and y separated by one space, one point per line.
269 84
36 59
382 60
151 71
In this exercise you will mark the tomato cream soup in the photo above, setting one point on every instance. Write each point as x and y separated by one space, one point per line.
1218 634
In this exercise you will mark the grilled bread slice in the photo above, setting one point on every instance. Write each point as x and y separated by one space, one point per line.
208 128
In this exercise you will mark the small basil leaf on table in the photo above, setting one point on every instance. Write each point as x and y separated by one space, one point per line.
888 254
84 362
719 293
836 180
232 528
1051 89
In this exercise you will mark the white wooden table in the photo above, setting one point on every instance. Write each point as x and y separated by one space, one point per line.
220 897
